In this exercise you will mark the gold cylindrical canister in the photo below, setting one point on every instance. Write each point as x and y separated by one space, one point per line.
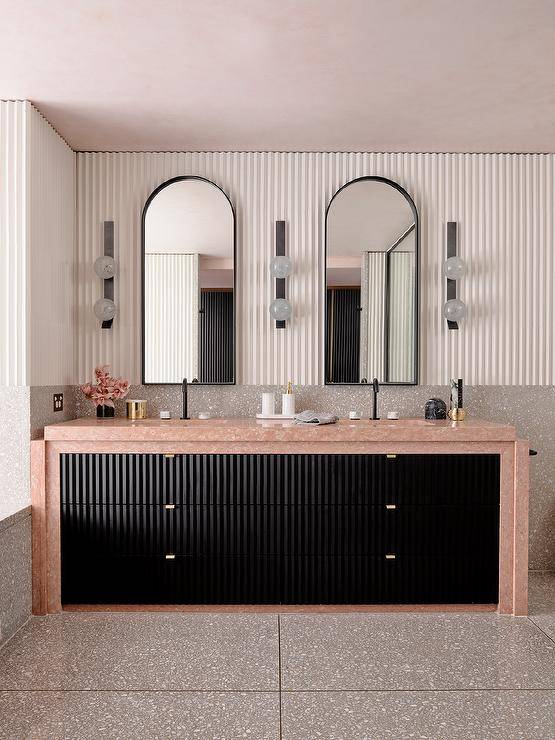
457 414
136 409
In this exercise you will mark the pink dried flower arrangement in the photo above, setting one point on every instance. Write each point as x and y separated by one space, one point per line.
107 389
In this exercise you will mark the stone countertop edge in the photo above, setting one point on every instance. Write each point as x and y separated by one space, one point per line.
240 429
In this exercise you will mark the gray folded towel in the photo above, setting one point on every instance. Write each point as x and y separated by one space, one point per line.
313 417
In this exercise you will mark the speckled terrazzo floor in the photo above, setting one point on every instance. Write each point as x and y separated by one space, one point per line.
291 676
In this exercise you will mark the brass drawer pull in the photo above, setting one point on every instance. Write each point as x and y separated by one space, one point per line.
170 556
169 506
390 556
391 457
169 454
391 506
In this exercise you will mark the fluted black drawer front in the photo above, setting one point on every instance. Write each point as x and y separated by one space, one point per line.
373 530
229 530
126 479
120 529
280 528
124 529
280 479
374 580
441 479
183 580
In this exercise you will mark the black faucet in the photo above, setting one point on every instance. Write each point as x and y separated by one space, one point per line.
184 391
376 389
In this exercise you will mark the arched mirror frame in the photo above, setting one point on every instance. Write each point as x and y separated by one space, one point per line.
149 200
407 197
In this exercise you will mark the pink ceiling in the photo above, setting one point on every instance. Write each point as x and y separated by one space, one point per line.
376 75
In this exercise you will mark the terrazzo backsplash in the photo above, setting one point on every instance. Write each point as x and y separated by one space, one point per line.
530 408
42 409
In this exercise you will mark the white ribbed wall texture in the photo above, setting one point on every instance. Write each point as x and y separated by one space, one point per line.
401 317
373 308
13 256
37 250
171 317
503 204
51 249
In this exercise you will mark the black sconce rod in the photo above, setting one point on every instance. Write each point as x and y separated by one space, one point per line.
451 252
108 252
280 252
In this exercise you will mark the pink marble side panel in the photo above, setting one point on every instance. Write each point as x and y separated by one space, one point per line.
520 565
38 520
53 573
506 530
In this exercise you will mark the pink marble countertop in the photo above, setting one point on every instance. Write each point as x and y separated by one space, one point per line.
253 430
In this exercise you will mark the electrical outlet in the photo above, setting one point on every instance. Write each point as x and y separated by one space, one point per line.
58 401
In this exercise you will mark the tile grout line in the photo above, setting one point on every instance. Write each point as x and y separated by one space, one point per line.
279 671
416 691
286 691
59 690
531 619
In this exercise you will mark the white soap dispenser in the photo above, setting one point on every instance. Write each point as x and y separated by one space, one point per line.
288 401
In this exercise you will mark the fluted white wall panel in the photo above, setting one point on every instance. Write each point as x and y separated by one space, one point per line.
401 317
51 250
37 250
374 309
13 255
171 317
503 204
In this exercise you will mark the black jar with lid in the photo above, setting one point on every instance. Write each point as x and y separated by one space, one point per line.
435 409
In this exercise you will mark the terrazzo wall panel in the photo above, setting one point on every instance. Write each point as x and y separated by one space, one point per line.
15 516
14 449
15 572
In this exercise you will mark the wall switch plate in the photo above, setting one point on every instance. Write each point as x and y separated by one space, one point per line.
58 401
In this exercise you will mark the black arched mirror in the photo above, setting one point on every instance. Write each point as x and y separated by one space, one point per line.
188 255
372 269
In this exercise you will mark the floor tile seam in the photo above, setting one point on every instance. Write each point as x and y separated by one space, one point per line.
139 691
548 689
537 626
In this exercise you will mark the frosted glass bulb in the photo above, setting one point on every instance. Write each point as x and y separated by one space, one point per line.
105 267
280 309
454 268
280 267
104 309
454 310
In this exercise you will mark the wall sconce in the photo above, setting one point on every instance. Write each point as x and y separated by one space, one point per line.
106 269
454 268
280 268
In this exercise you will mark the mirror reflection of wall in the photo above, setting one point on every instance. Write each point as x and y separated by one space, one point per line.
371 291
188 284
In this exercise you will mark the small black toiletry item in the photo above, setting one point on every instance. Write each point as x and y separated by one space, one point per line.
456 410
434 409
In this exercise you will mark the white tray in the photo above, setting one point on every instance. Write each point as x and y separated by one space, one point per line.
274 417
